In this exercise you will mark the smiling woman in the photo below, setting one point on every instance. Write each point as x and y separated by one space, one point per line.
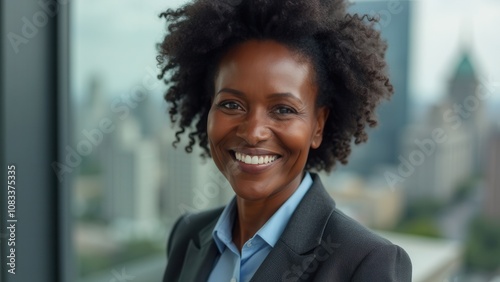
264 107
274 90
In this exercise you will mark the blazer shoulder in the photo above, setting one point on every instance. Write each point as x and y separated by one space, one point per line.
187 229
347 229
339 226
361 252
188 226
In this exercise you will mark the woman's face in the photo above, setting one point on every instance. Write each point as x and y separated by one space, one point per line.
263 119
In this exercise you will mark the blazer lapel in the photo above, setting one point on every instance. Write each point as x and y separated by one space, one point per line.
199 259
293 255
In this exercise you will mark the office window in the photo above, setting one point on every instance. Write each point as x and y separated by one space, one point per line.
423 171
131 184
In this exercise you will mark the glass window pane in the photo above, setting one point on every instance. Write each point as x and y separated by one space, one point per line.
427 176
130 183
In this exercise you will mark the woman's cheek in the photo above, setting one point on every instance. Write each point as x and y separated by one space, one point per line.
295 138
218 126
212 126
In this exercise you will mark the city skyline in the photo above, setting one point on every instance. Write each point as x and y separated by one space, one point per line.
145 183
439 30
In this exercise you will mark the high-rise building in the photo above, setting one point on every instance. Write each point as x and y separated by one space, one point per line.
188 185
131 172
179 177
465 93
436 157
383 144
464 82
492 183
445 150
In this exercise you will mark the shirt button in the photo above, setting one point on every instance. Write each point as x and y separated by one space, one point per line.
233 279
249 244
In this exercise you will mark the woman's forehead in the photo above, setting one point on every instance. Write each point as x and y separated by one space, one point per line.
264 67
266 50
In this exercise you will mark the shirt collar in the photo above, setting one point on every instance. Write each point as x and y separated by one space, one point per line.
272 229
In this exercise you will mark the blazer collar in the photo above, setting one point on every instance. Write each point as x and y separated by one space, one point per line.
200 256
313 211
303 233
293 254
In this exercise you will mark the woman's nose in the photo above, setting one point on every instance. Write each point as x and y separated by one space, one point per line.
255 128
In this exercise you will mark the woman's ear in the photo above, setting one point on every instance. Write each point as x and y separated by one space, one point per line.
321 117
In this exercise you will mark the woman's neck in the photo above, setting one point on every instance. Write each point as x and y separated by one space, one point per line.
252 215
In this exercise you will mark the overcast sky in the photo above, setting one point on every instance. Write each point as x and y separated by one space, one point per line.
440 29
115 41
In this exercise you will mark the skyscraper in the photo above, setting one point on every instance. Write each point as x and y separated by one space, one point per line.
447 162
492 183
383 146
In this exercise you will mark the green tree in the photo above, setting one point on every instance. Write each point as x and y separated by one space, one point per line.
482 248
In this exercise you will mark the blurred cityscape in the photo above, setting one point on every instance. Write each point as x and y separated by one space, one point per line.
135 182
428 177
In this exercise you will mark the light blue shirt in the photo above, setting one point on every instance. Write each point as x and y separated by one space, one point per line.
231 266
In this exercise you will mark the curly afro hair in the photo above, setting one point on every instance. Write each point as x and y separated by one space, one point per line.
345 50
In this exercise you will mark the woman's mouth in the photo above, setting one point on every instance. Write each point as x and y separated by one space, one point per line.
262 159
254 159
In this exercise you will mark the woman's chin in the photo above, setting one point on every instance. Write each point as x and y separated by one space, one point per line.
251 190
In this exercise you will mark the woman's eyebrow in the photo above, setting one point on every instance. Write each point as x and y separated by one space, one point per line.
272 96
286 95
232 91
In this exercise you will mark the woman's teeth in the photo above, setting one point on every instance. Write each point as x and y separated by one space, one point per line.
255 159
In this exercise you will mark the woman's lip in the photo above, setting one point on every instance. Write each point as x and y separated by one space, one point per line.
254 152
253 168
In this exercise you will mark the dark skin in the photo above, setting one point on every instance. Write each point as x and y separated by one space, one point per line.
262 123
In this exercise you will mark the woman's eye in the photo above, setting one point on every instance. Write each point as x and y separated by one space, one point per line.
284 110
230 105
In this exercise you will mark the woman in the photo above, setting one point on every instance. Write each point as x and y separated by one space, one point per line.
272 89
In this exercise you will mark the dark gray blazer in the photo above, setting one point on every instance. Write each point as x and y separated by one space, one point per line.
320 243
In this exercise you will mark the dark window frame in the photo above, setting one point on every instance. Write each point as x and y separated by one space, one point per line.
34 113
